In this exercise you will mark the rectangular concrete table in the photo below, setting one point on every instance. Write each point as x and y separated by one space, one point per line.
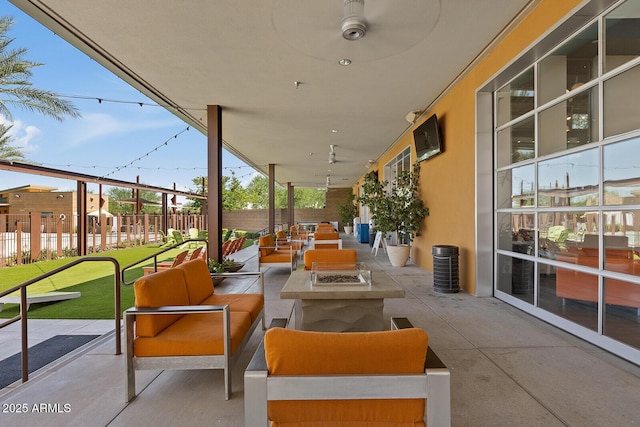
340 308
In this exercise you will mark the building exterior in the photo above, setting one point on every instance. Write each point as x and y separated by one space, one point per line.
539 180
17 204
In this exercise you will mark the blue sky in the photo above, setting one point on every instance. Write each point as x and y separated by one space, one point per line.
109 134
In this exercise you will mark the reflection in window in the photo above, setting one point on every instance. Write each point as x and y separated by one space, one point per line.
622 173
516 232
516 277
621 315
622 34
516 98
565 232
570 180
570 66
516 143
570 294
619 253
570 123
516 187
621 106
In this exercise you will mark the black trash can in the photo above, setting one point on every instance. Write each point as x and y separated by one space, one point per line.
445 269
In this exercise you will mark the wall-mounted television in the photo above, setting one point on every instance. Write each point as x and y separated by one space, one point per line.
427 139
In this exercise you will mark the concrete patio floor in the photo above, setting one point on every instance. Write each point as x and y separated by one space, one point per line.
507 368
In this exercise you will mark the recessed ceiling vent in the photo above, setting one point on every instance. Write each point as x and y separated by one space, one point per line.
354 24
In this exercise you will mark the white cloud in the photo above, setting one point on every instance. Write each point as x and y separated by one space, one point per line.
23 135
94 127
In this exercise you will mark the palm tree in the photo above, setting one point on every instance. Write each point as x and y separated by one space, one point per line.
15 87
7 152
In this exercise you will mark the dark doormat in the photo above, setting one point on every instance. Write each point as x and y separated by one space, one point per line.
41 355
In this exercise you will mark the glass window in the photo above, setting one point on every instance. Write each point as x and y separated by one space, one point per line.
399 163
621 253
621 315
621 106
570 123
565 232
621 173
570 180
570 294
517 142
570 66
516 232
516 187
516 277
516 98
622 34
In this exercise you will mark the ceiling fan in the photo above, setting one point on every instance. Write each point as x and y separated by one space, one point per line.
360 30
332 156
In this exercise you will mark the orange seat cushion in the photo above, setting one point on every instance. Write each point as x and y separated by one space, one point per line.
165 287
293 352
248 303
198 280
193 335
277 257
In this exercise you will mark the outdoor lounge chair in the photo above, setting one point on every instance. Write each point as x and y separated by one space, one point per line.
357 378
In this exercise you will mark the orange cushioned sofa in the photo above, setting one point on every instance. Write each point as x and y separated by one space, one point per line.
304 378
270 254
583 286
179 322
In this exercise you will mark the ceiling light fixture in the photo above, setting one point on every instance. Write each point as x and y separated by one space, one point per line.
354 24
345 62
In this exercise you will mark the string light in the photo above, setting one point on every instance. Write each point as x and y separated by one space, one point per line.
115 169
147 154
141 104
178 168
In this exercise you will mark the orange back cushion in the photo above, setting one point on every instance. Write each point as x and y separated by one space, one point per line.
293 352
197 279
268 241
349 256
165 287
331 235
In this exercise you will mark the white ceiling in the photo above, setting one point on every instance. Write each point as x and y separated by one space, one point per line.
246 55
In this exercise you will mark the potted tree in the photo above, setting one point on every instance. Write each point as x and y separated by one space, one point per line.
347 212
398 210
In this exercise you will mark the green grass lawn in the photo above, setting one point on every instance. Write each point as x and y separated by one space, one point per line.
94 280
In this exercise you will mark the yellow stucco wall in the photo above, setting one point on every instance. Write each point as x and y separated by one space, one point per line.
447 181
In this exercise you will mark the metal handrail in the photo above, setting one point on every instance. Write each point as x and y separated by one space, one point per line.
22 287
155 258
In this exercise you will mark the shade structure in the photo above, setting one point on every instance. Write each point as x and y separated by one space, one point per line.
100 212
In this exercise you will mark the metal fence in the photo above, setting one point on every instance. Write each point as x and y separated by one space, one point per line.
27 238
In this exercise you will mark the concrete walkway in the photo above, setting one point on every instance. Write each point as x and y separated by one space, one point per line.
508 368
